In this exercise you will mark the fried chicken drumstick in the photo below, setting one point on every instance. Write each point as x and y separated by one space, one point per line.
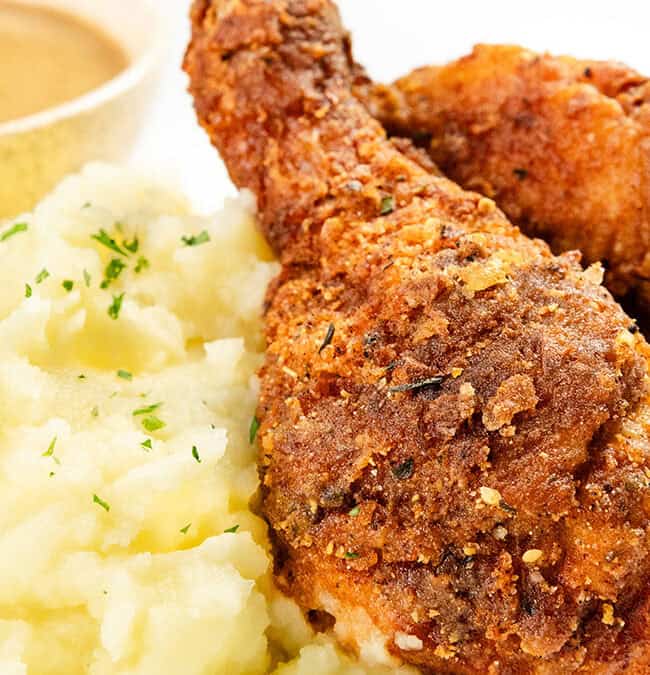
562 145
454 422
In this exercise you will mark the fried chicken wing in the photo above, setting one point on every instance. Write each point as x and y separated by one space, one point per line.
454 422
562 145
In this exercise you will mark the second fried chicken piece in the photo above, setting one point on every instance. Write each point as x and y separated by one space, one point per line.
562 145
454 422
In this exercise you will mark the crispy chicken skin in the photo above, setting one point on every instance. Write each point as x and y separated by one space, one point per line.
562 145
454 422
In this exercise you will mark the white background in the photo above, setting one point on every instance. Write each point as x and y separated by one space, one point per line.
390 38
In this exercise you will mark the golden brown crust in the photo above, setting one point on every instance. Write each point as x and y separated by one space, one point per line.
442 399
562 145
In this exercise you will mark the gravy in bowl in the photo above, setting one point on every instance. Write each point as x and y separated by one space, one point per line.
48 57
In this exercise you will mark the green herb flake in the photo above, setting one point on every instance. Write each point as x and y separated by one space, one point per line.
147 445
52 474
81 377
14 229
354 512
87 205
142 264
254 428
152 423
435 382
50 450
132 245
42 276
404 470
28 291
328 338
507 507
186 528
351 555
106 240
112 272
195 454
522 174
95 412
115 307
68 285
147 410
387 205
102 503
87 278
196 240
231 530
125 375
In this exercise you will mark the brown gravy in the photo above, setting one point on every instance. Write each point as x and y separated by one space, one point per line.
49 57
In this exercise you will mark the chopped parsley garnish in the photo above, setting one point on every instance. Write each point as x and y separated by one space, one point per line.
146 444
147 410
52 474
195 454
254 428
420 384
142 264
132 245
95 412
387 205
87 278
152 423
68 284
354 512
14 229
87 205
81 377
106 240
507 507
42 276
28 291
231 530
404 470
102 503
520 173
124 374
351 555
328 337
112 272
50 450
196 240
186 528
115 307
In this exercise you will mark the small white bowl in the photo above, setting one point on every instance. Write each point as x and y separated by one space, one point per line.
38 150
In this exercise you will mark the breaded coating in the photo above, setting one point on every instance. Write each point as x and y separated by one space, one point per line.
562 145
454 423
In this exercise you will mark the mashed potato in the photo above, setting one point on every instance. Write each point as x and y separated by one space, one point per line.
129 340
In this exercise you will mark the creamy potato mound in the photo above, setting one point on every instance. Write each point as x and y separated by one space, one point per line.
129 340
